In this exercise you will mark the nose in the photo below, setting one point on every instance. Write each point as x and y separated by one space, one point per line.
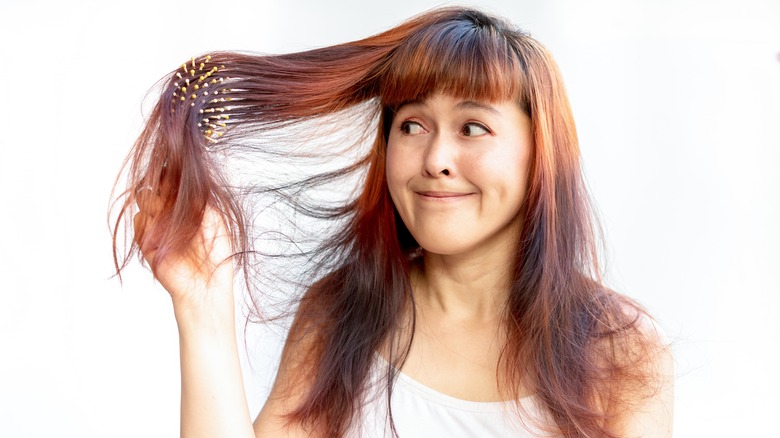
439 157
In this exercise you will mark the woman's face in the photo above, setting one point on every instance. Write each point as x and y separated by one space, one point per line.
457 171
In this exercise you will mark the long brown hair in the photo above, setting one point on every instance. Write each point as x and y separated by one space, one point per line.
571 341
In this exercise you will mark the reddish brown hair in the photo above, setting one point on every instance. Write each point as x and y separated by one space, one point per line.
573 343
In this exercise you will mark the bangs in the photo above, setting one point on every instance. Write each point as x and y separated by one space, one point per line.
462 58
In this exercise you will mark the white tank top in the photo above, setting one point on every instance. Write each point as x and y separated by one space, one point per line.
422 412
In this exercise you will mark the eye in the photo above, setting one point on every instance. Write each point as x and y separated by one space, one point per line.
473 129
412 128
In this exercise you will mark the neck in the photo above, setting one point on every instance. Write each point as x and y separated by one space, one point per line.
466 287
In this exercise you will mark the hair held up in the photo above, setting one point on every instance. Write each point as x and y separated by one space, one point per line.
571 341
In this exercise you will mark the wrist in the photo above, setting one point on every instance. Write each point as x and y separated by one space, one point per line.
212 313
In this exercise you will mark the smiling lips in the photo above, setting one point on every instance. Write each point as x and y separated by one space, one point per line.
442 196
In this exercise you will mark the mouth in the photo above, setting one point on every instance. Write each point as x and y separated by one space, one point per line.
442 196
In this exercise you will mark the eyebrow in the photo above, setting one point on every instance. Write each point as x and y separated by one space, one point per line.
471 104
398 107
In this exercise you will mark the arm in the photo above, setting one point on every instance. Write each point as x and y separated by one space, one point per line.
213 402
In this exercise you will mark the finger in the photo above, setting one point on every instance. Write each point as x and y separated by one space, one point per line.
148 200
142 223
213 224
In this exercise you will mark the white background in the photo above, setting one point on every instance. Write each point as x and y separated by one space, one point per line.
678 109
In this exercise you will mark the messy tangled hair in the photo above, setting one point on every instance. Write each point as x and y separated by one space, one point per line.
573 343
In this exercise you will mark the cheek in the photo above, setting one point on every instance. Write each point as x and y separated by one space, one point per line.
519 178
391 164
395 169
503 175
499 168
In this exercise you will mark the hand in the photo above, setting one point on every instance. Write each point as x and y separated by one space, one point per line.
198 278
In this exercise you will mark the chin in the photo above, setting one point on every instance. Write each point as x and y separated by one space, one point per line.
444 246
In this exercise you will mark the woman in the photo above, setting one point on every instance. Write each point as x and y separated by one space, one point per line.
460 295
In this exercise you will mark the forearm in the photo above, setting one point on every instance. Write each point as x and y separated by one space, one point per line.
213 401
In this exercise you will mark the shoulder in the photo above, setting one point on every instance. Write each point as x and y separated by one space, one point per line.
651 408
296 371
640 357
